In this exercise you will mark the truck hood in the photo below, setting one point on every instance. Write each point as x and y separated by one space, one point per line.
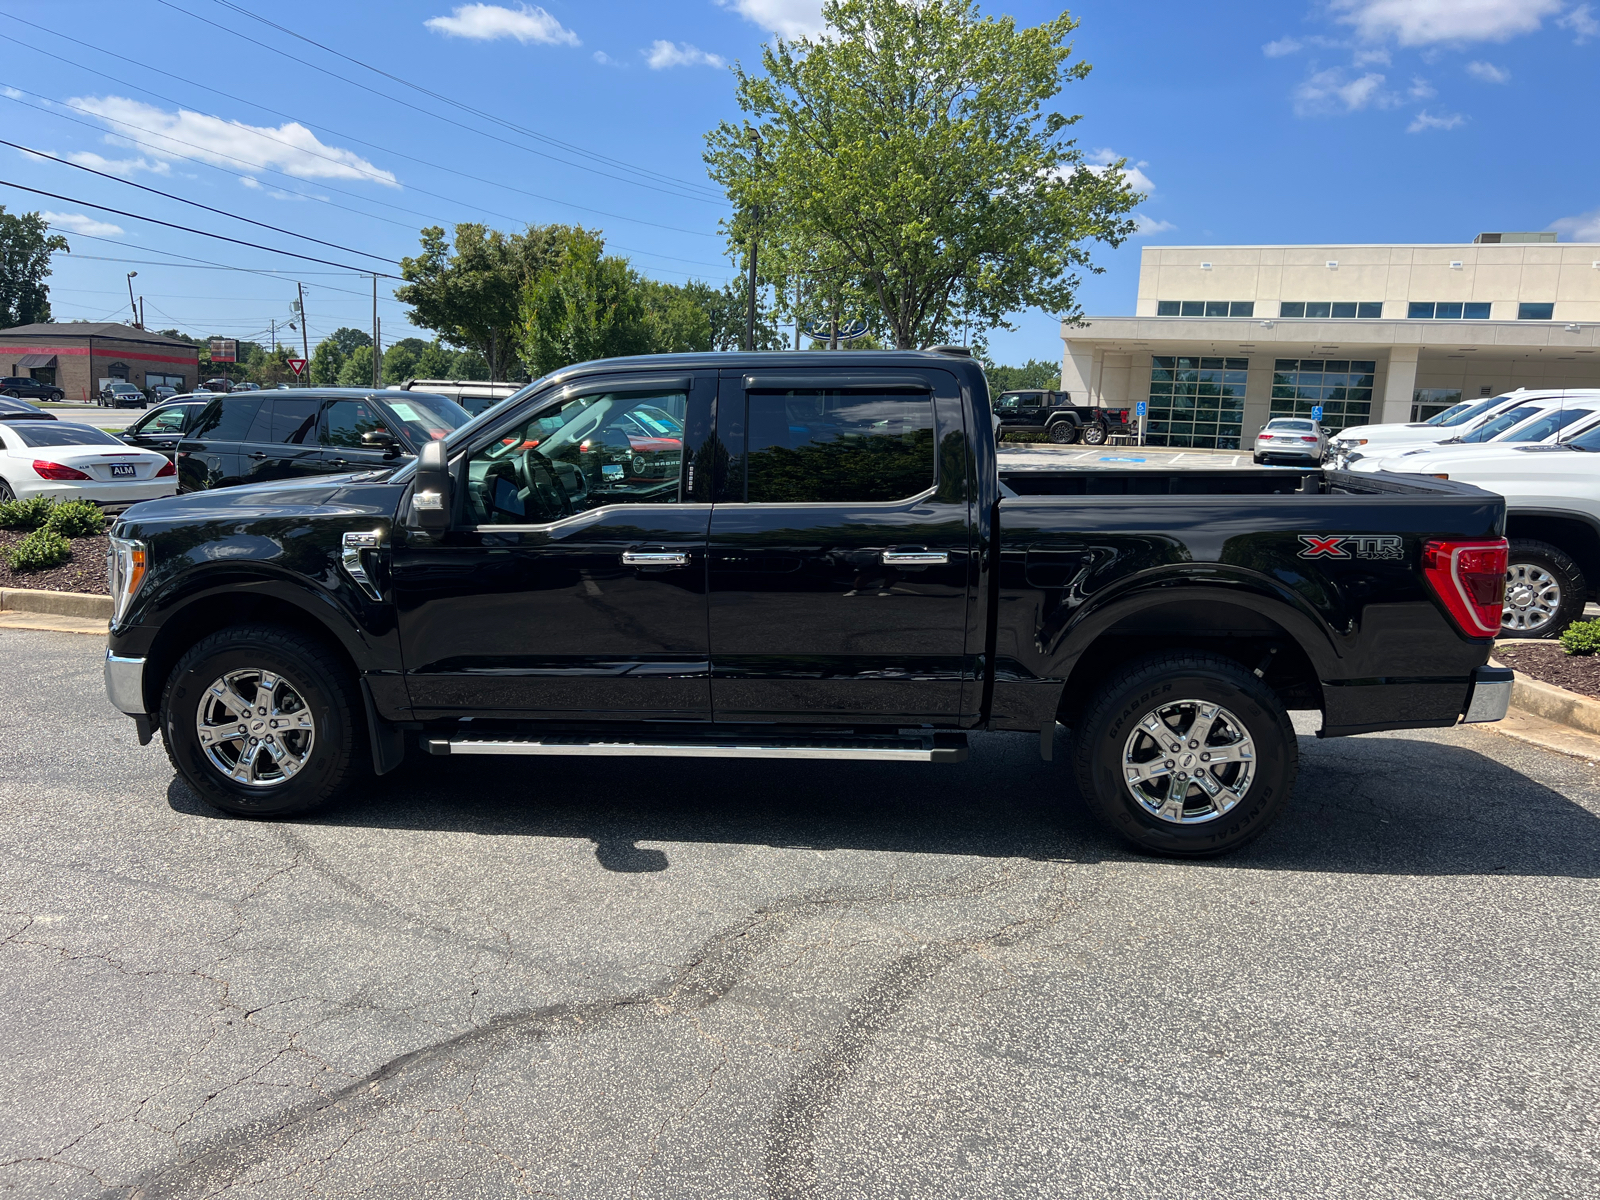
251 500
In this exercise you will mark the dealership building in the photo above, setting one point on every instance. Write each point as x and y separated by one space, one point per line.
77 355
1225 337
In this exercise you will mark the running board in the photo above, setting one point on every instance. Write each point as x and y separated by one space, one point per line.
920 747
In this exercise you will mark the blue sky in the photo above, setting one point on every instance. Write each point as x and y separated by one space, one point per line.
1334 121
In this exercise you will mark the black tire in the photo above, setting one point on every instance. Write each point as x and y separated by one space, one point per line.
11 394
311 673
1259 461
1063 433
1545 590
1094 435
7 494
1142 689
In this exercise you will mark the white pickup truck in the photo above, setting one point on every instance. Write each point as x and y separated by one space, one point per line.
1361 441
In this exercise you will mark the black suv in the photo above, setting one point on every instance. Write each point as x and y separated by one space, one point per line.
258 437
19 388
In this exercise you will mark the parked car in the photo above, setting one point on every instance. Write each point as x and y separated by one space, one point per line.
246 387
18 387
21 410
219 385
1552 495
1462 418
1292 439
839 570
1547 419
68 461
163 428
121 395
474 395
163 391
1055 414
259 437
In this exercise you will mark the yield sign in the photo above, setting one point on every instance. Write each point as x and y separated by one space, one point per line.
297 365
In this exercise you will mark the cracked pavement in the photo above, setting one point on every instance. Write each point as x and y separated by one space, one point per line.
664 978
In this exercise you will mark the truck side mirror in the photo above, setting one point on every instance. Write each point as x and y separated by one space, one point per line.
381 439
430 494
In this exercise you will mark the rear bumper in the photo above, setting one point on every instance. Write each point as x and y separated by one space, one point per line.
1490 697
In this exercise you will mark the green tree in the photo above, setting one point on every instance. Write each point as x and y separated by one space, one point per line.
25 249
1036 374
435 362
400 362
584 305
471 294
679 315
910 145
357 368
326 362
347 339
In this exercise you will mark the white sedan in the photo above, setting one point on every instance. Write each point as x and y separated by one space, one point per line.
68 461
1291 438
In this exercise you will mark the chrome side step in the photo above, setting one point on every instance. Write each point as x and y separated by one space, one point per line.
920 747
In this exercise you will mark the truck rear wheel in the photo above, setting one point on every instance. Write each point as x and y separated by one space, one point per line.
1545 591
1094 435
262 721
1186 754
1063 433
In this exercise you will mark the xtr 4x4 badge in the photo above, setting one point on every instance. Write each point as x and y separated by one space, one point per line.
1358 545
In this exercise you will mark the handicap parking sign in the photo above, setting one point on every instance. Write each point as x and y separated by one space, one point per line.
1316 412
1141 408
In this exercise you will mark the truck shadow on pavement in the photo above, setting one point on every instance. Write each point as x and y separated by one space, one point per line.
1396 804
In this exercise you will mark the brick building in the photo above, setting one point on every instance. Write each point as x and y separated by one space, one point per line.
77 355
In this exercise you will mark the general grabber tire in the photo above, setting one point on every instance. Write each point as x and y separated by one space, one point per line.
1063 433
1545 591
1186 754
263 721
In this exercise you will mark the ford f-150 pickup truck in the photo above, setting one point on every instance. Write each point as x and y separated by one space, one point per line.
789 556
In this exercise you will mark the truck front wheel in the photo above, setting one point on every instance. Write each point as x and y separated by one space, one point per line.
262 721
1545 591
1186 754
1063 433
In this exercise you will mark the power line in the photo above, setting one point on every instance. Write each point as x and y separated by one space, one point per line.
675 188
271 171
305 237
22 187
329 129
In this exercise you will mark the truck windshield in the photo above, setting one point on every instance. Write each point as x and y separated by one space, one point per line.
1494 428
427 417
1550 423
1462 413
1587 441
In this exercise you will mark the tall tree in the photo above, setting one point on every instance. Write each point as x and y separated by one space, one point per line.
1036 374
471 293
911 144
25 249
346 339
400 363
585 304
326 362
357 368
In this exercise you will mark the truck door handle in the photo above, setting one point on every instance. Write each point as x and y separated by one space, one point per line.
916 556
655 558
256 454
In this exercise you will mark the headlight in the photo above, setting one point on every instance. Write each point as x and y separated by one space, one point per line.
125 563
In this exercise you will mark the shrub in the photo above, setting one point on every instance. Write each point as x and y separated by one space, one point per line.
1581 637
39 551
25 514
76 518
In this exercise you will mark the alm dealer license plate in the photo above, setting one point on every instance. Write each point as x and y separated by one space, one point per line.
122 470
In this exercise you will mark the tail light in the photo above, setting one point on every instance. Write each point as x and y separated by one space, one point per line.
1303 438
50 470
1470 578
167 468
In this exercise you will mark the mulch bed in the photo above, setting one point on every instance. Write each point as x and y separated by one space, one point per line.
1551 664
85 571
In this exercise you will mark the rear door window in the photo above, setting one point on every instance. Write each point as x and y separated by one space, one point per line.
833 446
286 421
226 419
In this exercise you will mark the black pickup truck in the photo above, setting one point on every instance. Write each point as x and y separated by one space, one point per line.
768 556
1056 415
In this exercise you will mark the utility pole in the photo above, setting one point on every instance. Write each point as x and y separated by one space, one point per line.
305 338
273 325
131 303
374 329
750 305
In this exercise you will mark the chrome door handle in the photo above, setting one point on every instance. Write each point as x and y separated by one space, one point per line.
350 558
655 558
915 558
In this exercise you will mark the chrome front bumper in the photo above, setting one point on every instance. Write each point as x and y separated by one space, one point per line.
125 684
1491 694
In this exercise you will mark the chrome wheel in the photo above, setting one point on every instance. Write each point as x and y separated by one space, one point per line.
255 728
1533 598
1094 435
1188 761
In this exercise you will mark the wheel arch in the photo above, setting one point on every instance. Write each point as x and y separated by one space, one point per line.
1575 534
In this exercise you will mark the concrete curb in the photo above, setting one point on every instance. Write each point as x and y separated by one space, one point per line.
61 604
1556 704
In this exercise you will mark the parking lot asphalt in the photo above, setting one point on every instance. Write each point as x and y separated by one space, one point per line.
668 978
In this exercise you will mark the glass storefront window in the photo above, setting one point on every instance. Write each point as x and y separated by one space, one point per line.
1343 387
1430 402
1196 401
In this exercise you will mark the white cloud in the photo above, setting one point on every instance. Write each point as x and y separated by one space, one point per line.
1421 89
1282 47
10 93
1425 121
118 166
1585 227
1373 55
1147 226
290 148
662 55
1424 22
1330 92
786 18
1134 175
605 60
79 223
1486 72
253 184
1581 23
489 22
